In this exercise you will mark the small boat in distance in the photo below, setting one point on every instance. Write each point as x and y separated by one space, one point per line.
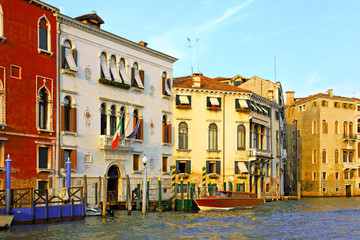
226 200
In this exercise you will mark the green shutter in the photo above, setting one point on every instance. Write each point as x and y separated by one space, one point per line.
218 167
177 166
177 100
236 168
237 105
189 98
188 167
208 104
207 167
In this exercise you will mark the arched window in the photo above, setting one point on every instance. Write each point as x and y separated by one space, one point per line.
358 126
336 158
123 73
323 157
1 22
44 34
122 116
114 73
137 122
336 127
136 79
164 129
314 127
324 126
43 108
67 113
69 56
213 137
345 129
112 120
183 135
166 84
103 120
104 69
241 137
351 129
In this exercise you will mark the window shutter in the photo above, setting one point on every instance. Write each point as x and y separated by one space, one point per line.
132 77
236 167
134 126
247 164
169 132
73 159
63 59
73 119
163 132
219 99
189 98
218 166
188 167
248 103
141 129
207 167
163 85
177 167
142 76
62 156
62 118
177 99
208 103
359 151
237 105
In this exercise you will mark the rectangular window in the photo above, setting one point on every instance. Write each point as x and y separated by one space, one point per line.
293 134
314 176
214 103
277 115
213 167
165 164
298 133
183 166
324 103
314 157
42 186
336 175
183 101
345 156
314 104
136 162
345 105
351 175
336 105
43 157
324 176
358 107
15 72
346 175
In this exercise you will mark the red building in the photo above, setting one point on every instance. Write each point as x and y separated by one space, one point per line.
28 98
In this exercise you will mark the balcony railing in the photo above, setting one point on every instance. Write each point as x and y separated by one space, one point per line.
254 152
106 141
350 165
350 136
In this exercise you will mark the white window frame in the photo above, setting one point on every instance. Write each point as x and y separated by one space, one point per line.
51 156
104 66
123 72
69 58
48 50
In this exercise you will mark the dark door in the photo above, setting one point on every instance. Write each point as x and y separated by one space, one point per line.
112 184
348 190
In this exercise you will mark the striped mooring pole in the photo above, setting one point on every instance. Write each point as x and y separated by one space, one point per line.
159 184
138 195
173 198
238 185
204 179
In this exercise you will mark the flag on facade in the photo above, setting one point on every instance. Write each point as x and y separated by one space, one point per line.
135 131
116 136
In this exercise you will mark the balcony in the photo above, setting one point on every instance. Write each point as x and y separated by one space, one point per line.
350 166
349 137
123 145
254 152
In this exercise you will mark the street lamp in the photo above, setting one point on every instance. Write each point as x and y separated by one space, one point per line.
144 161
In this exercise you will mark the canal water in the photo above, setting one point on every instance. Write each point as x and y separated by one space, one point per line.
308 218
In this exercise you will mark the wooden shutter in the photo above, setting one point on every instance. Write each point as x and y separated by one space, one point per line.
188 166
219 99
62 156
163 132
169 133
218 166
73 119
142 77
132 77
189 98
207 167
359 151
177 167
163 85
62 118
73 159
141 129
236 167
177 100
208 103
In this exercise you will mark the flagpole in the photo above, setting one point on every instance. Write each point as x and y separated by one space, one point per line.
131 116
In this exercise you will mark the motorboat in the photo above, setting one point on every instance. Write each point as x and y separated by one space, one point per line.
226 200
96 210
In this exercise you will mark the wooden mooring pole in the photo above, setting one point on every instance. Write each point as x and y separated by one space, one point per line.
85 188
128 197
104 196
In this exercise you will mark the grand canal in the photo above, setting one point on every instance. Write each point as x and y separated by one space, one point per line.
308 218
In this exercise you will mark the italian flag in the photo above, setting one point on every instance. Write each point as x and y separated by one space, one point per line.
116 136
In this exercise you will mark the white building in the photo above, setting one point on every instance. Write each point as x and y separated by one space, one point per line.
104 78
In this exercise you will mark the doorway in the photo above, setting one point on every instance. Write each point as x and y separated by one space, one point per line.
112 184
348 190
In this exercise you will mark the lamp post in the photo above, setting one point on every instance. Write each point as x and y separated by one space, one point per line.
144 161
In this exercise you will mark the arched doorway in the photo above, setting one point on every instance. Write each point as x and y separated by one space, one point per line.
112 184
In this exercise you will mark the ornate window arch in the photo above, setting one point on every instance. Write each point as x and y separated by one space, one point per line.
44 34
104 68
241 133
69 56
183 135
213 137
43 106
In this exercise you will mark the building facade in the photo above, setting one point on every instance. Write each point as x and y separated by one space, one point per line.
323 145
228 131
107 81
28 90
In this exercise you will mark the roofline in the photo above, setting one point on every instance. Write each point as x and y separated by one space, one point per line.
48 6
320 95
115 38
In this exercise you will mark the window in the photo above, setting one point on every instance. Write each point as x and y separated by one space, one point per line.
336 127
165 161
213 103
44 35
345 105
300 108
166 84
324 176
336 175
304 107
314 157
298 133
136 162
183 101
336 156
213 167
314 104
358 126
123 73
137 126
166 130
68 56
67 114
359 153
183 166
336 105
241 137
114 72
69 154
112 120
15 72
183 135
277 115
42 186
43 109
213 137
122 116
348 156
324 103
313 175
43 161
104 69
137 76
268 141
293 134
323 156
314 127
2 96
241 167
351 175
345 129
103 119
351 129
324 126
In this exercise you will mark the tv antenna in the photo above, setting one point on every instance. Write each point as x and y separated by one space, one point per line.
197 52
275 66
192 70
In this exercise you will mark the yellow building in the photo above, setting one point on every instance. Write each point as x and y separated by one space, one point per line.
323 146
229 131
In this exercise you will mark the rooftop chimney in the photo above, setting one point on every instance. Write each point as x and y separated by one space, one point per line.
142 43
290 97
196 80
330 92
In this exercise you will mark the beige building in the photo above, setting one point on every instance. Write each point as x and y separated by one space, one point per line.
229 131
323 146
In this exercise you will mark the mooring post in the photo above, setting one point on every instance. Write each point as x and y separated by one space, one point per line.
104 196
128 197
138 195
204 180
159 184
224 185
173 196
147 193
8 185
182 193
85 187
99 190
96 190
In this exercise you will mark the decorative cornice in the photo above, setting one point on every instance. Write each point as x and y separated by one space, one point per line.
69 91
112 37
212 91
113 101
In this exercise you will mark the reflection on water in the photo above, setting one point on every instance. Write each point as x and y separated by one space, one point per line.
309 218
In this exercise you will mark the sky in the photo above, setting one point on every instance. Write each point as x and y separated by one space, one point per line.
309 46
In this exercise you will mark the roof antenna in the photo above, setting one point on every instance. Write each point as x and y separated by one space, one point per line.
197 50
275 67
189 41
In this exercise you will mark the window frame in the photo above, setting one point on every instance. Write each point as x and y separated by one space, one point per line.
183 136
213 135
241 137
40 36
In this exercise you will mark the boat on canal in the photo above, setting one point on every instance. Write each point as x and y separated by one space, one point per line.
225 200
